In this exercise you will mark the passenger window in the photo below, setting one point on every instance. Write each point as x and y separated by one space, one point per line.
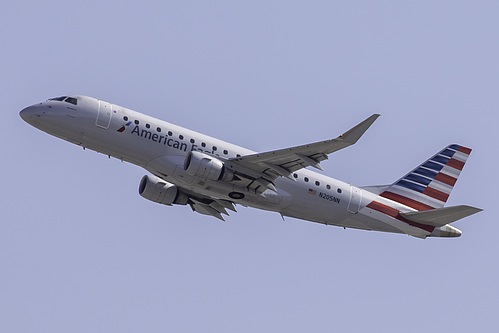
181 137
328 186
295 175
170 133
125 118
203 144
158 129
192 141
214 148
226 152
305 179
317 183
148 126
136 122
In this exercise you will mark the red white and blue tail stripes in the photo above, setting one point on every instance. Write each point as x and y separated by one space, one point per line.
429 185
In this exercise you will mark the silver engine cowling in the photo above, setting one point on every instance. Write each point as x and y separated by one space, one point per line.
206 167
158 190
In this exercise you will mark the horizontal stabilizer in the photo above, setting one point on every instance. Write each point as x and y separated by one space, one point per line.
441 216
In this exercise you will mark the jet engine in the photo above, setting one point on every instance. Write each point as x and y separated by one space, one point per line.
156 189
206 167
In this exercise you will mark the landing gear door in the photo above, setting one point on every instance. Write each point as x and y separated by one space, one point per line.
104 115
355 200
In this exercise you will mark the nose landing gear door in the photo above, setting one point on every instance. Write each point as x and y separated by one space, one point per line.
104 115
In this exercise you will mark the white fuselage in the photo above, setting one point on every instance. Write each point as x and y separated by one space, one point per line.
161 147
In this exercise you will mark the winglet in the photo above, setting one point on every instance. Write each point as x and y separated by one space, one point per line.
354 134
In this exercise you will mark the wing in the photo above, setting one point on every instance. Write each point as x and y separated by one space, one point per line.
266 167
257 172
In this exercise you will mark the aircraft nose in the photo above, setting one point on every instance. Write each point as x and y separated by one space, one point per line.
30 113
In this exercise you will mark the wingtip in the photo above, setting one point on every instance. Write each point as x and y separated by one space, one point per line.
373 117
354 134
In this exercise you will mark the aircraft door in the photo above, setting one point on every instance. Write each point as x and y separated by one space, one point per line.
104 115
355 200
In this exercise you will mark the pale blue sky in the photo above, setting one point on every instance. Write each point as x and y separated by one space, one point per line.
81 251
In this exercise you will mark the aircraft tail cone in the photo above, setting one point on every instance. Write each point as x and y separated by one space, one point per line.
446 231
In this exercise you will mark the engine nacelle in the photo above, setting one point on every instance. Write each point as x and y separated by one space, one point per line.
204 166
156 189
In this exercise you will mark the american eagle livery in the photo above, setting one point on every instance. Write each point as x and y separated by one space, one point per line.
212 176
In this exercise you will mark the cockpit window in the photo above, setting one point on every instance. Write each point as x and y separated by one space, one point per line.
60 99
71 100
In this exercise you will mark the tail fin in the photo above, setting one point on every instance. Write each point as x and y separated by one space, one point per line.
429 185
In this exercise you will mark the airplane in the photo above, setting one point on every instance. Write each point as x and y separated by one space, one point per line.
212 176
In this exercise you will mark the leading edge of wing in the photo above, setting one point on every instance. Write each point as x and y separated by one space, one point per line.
354 134
284 161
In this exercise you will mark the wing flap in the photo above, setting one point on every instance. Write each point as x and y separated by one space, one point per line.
441 216
213 207
207 209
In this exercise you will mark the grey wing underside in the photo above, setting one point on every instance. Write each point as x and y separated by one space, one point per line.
284 162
